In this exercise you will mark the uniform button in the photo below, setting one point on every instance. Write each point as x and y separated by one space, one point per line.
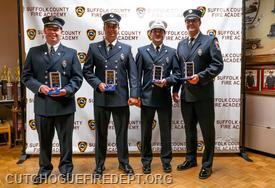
46 82
46 77
106 66
116 67
46 72
106 61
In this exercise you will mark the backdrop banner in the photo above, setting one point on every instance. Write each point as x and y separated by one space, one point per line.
84 25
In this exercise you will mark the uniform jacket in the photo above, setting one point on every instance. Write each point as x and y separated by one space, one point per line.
146 58
121 60
208 63
36 73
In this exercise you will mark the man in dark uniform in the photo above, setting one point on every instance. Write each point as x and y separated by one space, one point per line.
110 61
270 80
49 67
156 59
197 93
250 80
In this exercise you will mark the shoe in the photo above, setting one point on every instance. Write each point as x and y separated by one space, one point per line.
66 177
98 171
40 178
166 167
128 170
205 173
186 165
146 169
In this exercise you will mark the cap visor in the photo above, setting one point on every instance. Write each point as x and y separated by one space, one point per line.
111 22
192 17
52 25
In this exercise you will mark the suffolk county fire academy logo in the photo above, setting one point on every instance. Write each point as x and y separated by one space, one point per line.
81 56
202 9
149 34
82 146
91 33
79 11
212 32
91 124
139 146
200 146
32 124
81 101
154 124
140 11
31 33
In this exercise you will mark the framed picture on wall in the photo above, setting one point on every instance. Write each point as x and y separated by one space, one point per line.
252 79
268 79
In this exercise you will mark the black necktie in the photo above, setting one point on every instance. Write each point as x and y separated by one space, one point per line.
109 48
157 49
190 44
52 51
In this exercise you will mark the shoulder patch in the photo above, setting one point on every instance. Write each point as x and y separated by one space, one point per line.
216 42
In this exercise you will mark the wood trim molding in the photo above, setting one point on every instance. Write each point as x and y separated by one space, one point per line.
267 59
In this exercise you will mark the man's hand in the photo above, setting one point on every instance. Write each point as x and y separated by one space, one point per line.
101 87
176 97
133 101
194 79
161 83
44 89
62 92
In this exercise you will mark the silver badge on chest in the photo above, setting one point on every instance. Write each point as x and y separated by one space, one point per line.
199 52
64 65
122 57
167 59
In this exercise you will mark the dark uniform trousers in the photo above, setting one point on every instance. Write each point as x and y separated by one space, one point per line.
121 120
45 128
201 112
164 117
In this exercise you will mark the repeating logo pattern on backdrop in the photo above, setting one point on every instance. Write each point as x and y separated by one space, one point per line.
82 146
212 32
139 146
79 10
141 12
81 56
81 101
91 124
31 33
32 124
91 34
200 146
202 9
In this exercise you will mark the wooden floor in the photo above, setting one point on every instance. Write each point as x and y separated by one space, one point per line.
229 171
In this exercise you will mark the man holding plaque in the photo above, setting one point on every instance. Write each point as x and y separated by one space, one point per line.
109 69
203 53
158 69
53 73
